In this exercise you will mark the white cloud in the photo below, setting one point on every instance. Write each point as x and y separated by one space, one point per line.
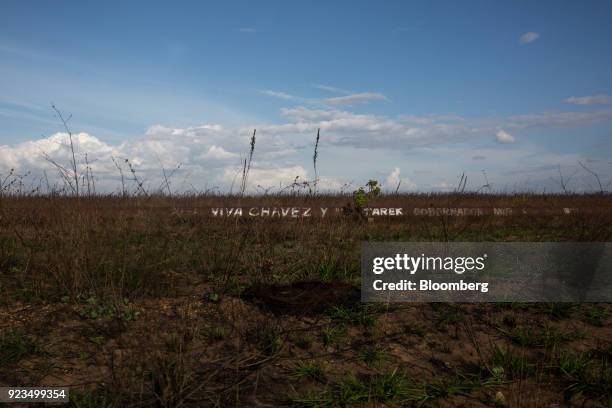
444 186
504 137
348 99
356 98
273 177
218 153
200 132
196 149
331 89
590 100
344 128
352 99
30 154
431 119
529 37
210 154
331 184
280 95
393 178
558 119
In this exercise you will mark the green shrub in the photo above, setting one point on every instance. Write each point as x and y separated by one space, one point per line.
363 195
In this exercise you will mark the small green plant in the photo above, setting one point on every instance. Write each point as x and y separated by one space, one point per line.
390 386
574 365
372 355
357 389
547 337
586 377
447 388
506 363
99 340
212 297
92 308
363 195
333 335
351 391
309 370
597 315
330 268
214 332
559 310
498 374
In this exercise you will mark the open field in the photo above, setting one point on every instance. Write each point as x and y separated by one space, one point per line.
152 301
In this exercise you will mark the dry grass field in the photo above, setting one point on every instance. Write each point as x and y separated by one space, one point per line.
151 301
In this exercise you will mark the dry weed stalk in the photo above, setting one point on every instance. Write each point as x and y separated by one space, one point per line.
314 160
247 165
73 163
563 182
602 188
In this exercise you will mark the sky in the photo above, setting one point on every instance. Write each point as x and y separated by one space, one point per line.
415 94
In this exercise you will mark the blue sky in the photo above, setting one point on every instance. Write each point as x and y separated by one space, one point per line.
420 90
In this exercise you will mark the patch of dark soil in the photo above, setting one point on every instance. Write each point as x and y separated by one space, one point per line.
302 298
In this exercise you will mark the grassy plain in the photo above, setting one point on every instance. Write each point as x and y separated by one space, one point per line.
150 301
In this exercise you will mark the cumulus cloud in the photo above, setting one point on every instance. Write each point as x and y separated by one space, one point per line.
205 155
218 153
393 178
210 154
345 128
504 137
197 151
590 100
273 177
529 37
30 155
357 98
